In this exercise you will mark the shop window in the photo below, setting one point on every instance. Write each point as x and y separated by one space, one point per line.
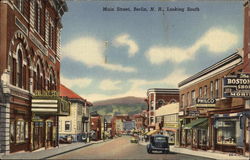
67 125
19 131
12 131
37 17
26 130
202 137
78 125
226 132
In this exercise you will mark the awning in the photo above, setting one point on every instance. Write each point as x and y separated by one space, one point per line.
194 123
151 132
202 125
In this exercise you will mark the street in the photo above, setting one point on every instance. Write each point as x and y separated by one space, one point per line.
121 148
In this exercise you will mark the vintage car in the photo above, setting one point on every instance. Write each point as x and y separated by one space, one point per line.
158 143
66 139
134 139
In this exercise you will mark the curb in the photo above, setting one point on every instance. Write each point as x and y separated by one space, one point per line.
74 149
68 151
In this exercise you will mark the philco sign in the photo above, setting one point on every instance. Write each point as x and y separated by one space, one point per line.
237 86
205 101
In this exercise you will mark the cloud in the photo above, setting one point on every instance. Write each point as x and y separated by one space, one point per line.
139 86
110 85
216 40
125 40
79 82
91 52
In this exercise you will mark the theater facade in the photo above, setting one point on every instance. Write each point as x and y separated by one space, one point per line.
29 71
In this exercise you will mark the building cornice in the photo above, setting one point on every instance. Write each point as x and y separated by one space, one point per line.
235 56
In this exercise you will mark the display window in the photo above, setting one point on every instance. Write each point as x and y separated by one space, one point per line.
202 137
195 134
183 141
226 133
20 131
189 137
12 131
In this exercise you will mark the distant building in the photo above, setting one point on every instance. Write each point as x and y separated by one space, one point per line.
117 124
77 123
95 127
168 122
157 97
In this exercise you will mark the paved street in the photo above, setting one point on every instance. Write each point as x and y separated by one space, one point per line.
121 148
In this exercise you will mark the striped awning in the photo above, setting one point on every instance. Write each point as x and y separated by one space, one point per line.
194 123
151 132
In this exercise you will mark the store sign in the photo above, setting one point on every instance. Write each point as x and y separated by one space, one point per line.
237 86
193 113
170 125
38 93
205 101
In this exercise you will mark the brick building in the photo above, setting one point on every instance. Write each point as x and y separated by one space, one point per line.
201 96
157 97
30 64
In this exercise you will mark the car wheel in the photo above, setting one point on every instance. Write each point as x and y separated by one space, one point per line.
149 151
166 152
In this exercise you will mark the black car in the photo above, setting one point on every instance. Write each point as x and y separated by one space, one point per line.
158 143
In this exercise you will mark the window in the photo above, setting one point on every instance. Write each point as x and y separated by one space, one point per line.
67 125
20 70
205 91
160 103
188 99
20 131
193 97
12 131
182 100
217 88
78 125
37 17
13 71
51 35
200 92
211 89
20 5
79 109
151 119
26 130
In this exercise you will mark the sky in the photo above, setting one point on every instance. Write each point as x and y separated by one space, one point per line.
111 54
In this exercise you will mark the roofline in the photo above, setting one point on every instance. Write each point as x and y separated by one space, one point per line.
211 68
163 90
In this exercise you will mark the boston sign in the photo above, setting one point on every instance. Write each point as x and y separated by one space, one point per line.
237 86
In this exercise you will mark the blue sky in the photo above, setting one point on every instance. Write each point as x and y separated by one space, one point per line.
109 54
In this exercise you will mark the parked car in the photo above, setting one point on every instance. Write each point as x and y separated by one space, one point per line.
66 139
134 139
158 143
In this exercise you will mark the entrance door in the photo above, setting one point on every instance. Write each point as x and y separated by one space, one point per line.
49 133
38 138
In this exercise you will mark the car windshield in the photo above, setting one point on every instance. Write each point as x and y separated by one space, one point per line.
160 139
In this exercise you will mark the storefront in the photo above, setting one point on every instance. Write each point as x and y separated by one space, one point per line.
228 135
44 125
194 134
171 130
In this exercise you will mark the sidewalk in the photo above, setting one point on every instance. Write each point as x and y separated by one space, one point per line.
44 154
207 154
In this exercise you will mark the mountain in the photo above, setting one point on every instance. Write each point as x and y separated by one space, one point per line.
125 105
